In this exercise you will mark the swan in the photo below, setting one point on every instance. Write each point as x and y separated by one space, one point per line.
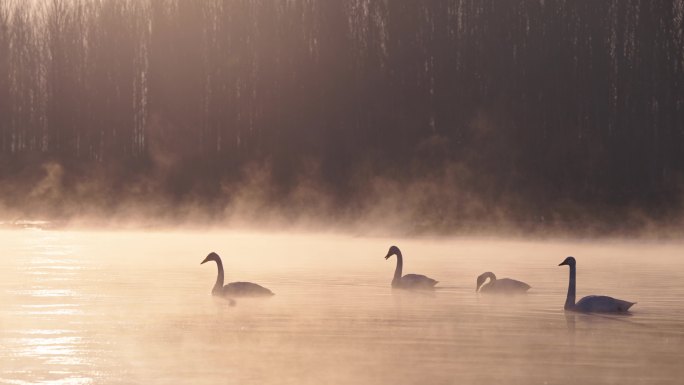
234 289
591 303
500 286
409 281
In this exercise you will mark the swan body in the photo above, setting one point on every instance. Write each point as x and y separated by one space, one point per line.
409 281
234 289
500 286
591 303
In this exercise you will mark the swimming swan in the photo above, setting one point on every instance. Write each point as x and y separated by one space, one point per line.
409 281
500 286
591 303
234 289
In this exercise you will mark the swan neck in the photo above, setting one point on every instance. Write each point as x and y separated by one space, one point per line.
219 278
570 300
397 271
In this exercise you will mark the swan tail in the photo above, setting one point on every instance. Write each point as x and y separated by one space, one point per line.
626 305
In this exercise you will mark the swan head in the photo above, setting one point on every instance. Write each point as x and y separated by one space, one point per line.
211 257
392 251
482 278
570 261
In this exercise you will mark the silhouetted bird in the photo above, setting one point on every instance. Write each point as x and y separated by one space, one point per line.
592 303
409 281
500 286
234 289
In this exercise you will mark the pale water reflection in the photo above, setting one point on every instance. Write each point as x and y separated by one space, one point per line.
135 308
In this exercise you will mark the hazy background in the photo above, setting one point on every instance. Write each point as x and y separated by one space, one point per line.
448 116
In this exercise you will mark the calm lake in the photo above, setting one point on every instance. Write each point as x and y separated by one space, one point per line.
135 308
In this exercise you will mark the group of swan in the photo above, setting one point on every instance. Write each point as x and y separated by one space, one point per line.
589 304
421 282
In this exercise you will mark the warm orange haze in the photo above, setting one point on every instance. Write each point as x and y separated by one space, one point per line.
341 192
135 307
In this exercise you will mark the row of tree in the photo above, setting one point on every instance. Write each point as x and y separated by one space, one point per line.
525 104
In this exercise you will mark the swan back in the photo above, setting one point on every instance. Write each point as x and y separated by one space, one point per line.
505 286
602 304
416 282
246 289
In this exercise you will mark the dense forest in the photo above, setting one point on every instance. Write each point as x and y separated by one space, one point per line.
437 115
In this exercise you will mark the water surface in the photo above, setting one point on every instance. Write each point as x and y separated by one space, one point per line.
134 308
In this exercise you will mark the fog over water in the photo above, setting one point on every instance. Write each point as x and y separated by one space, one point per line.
81 307
300 139
427 117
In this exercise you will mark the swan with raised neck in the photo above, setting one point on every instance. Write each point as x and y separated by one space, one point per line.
408 281
233 289
591 303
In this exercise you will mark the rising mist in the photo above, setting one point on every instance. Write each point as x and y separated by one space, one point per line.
420 116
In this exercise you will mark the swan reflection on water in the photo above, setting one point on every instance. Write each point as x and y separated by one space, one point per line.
592 322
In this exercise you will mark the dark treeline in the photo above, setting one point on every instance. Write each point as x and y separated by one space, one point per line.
457 112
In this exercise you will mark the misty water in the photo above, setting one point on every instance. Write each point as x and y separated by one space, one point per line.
135 308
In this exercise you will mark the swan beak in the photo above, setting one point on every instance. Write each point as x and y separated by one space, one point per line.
387 256
563 263
205 260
